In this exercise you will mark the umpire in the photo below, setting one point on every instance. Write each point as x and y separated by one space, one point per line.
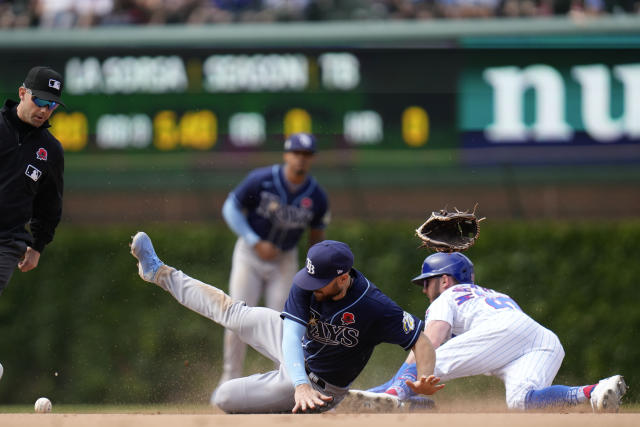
31 169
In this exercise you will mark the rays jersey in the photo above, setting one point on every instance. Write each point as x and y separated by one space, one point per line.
341 335
465 306
274 212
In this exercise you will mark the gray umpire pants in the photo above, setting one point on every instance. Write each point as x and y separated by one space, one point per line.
11 251
259 327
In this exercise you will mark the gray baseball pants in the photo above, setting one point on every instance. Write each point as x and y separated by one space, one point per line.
252 277
259 327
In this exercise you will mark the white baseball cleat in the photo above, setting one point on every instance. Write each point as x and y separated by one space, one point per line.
148 261
606 395
362 401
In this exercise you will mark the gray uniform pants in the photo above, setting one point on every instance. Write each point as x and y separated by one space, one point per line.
251 277
259 327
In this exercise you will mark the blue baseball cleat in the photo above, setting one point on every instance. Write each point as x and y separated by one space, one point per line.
148 261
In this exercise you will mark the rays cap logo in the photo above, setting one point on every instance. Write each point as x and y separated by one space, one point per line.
325 261
45 83
300 142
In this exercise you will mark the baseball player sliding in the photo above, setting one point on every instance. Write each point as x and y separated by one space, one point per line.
478 331
269 211
332 320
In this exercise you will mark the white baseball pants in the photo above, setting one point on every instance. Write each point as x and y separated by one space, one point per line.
511 346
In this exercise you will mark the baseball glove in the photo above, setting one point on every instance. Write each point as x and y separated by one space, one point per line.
447 231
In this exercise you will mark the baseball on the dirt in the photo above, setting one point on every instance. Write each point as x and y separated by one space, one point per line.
42 406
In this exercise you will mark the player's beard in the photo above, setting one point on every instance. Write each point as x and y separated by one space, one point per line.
324 297
328 294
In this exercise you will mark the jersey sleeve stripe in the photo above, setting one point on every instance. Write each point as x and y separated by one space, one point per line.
275 171
294 318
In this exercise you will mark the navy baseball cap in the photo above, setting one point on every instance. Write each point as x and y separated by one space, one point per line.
45 83
325 261
300 142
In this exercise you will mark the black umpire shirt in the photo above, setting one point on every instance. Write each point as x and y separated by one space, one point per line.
31 180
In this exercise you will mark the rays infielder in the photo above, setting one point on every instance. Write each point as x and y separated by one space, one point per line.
477 331
333 318
269 211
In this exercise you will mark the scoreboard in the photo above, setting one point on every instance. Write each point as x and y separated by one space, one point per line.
165 99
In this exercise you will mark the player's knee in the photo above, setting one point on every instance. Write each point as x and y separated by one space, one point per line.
559 350
223 398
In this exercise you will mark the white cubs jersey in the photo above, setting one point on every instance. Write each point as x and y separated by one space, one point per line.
464 306
492 336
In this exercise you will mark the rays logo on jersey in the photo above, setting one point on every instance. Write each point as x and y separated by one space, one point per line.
408 324
281 215
326 333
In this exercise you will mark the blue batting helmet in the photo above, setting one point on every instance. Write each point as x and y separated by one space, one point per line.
454 264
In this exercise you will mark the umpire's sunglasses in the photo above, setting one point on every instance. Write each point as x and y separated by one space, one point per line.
42 102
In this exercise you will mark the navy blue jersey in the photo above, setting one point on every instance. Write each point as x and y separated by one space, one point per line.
341 335
276 214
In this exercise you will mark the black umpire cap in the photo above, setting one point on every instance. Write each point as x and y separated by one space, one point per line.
45 83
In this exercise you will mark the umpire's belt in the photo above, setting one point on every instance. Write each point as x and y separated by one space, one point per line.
314 378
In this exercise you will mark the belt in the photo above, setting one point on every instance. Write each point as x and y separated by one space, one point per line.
314 378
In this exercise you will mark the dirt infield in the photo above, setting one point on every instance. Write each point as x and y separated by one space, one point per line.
362 420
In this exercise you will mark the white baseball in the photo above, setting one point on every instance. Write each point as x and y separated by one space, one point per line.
1 370
42 406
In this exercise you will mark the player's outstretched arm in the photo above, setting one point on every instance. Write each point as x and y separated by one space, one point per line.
307 398
425 356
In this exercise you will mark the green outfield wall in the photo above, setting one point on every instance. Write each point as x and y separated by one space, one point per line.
83 328
541 117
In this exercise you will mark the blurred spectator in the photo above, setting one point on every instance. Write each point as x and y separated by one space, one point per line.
56 13
18 13
287 10
127 12
88 13
522 8
220 11
92 12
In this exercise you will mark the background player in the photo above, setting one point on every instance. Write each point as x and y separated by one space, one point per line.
480 331
269 211
344 315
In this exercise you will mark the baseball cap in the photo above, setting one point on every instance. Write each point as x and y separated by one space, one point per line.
45 83
300 142
325 261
